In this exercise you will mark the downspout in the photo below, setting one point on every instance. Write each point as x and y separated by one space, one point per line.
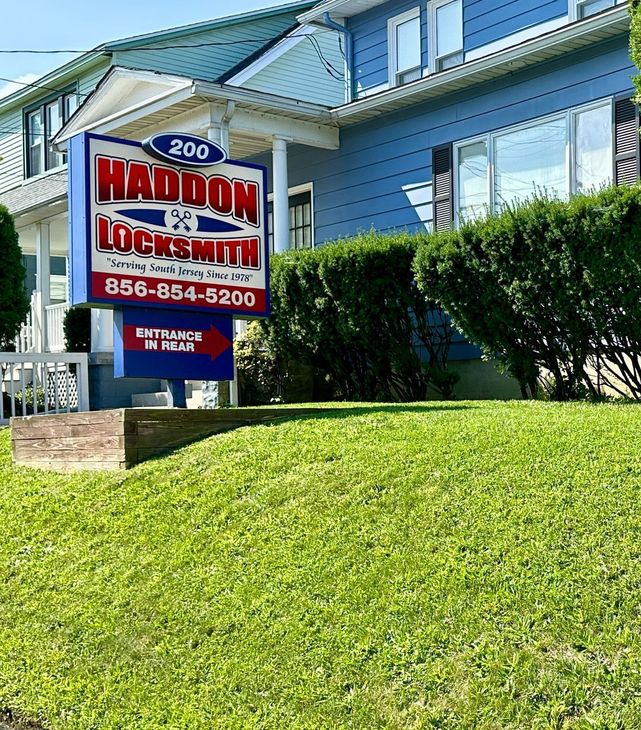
349 52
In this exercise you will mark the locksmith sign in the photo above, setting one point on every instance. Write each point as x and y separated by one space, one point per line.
170 224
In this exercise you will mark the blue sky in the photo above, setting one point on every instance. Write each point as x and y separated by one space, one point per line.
87 23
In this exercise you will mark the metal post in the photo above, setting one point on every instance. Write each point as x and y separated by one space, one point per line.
176 394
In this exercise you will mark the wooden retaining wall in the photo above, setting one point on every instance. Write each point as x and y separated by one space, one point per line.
121 438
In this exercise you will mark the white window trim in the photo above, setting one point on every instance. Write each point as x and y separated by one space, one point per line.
432 45
570 155
573 8
297 190
392 24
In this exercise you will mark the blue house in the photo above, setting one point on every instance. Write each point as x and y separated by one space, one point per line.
458 106
397 115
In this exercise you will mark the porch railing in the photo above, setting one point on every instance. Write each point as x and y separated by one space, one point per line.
54 317
40 384
26 339
42 330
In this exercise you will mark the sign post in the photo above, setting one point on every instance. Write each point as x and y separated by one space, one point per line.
173 236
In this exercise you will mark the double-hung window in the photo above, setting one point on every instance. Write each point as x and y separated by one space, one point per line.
560 155
41 124
446 34
404 45
301 228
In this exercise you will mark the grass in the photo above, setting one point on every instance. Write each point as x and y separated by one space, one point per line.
424 566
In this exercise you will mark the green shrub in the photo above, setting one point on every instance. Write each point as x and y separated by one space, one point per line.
260 373
14 303
352 310
553 289
77 329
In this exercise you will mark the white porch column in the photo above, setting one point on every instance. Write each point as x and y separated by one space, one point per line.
281 197
43 281
102 330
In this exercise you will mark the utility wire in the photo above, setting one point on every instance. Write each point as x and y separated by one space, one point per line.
326 64
107 49
35 85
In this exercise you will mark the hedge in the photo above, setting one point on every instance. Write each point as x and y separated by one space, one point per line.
77 330
353 311
551 288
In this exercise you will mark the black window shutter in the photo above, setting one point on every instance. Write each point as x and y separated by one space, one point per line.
443 188
626 142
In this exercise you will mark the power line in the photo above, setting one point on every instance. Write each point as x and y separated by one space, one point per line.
36 85
326 64
106 49
331 70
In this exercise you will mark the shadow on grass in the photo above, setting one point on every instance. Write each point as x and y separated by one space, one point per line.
312 412
327 413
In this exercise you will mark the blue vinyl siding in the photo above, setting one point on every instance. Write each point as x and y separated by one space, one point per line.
370 41
360 186
486 21
203 61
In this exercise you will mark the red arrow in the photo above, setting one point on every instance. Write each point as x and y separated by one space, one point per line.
179 340
216 342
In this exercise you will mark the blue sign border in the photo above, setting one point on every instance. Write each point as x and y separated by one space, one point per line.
80 234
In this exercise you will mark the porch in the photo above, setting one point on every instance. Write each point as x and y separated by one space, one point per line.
44 245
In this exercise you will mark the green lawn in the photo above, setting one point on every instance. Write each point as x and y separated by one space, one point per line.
414 566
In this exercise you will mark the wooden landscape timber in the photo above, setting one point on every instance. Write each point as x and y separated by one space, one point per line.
122 438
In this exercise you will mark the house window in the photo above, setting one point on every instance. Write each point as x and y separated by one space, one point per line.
404 43
558 156
446 34
530 160
593 153
58 281
43 123
301 229
585 8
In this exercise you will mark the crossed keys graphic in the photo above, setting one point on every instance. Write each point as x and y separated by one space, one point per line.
181 220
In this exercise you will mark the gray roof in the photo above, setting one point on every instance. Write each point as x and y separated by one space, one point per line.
37 192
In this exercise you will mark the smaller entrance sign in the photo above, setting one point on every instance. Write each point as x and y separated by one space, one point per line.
172 345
